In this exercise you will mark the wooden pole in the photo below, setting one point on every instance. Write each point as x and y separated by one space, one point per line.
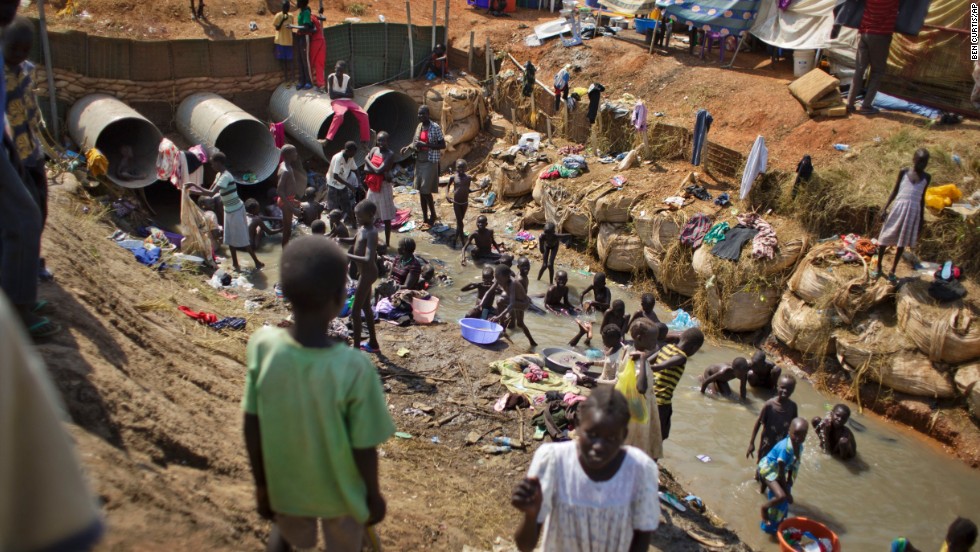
513 125
534 112
411 50
547 120
435 6
470 66
445 32
491 70
49 69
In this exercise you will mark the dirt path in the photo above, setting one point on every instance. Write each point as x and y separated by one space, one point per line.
154 403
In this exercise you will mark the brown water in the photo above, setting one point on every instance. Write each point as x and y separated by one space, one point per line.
900 485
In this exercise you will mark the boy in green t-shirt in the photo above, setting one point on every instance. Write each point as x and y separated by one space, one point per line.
314 412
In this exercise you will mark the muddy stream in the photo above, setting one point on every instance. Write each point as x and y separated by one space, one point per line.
901 484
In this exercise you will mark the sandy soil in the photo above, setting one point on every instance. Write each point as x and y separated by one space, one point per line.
153 399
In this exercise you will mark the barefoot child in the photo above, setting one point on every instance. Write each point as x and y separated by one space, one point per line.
667 371
612 350
548 244
615 316
481 288
484 240
365 254
762 373
283 43
593 494
461 199
717 377
236 227
314 413
310 209
601 295
778 470
318 228
647 302
337 227
835 437
960 537
775 417
523 269
556 299
258 225
645 436
519 301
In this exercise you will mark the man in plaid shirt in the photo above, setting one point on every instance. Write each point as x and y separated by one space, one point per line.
428 145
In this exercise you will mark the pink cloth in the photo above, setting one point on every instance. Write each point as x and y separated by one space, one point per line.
278 131
571 398
340 109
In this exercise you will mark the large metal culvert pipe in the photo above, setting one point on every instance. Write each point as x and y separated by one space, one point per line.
308 115
103 122
219 125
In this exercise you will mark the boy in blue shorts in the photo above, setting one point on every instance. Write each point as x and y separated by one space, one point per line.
314 413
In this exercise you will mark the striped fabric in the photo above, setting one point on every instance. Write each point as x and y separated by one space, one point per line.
665 381
229 192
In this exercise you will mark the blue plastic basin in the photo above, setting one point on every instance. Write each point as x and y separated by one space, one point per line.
481 332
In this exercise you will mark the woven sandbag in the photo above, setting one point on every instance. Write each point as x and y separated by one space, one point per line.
787 254
461 100
619 250
652 258
883 355
559 209
577 224
812 283
701 261
643 224
449 158
666 228
858 296
745 310
614 207
681 280
800 326
511 181
944 332
538 189
967 381
534 217
461 131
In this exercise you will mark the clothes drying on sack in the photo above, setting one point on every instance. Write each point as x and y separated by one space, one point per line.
695 230
764 243
702 123
278 131
168 159
754 166
731 247
528 83
716 234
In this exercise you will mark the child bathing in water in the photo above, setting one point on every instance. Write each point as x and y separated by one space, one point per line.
762 373
548 243
778 470
646 341
460 199
615 316
960 537
601 295
593 494
518 301
835 437
556 300
717 376
647 303
482 288
775 417
484 241
612 351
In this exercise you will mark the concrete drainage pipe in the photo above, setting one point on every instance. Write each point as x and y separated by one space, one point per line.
308 115
103 122
219 125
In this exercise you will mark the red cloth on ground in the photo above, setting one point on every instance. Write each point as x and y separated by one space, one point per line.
401 217
879 17
202 317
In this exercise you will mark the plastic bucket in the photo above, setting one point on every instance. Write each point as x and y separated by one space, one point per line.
803 61
815 528
481 332
424 310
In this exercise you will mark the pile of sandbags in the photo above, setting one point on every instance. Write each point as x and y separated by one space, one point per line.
460 109
562 209
518 180
657 228
619 249
613 207
747 309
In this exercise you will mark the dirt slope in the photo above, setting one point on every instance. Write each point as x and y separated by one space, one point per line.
154 403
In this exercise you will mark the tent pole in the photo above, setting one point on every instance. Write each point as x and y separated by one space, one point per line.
738 47
49 70
411 50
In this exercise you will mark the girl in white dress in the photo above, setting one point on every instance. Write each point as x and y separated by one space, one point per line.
593 494
903 221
